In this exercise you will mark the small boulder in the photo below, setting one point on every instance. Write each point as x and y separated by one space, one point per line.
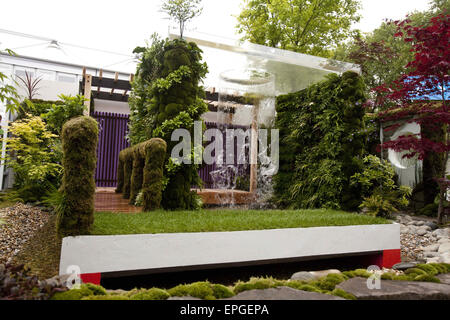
432 225
444 247
282 293
404 266
303 276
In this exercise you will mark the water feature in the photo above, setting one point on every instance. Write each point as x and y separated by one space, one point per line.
246 105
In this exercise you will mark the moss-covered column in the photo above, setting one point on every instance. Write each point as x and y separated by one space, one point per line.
127 170
137 174
152 187
79 142
120 173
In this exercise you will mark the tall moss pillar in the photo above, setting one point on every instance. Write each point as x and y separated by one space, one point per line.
79 142
155 153
137 173
127 170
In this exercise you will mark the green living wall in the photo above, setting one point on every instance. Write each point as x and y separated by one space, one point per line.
167 95
322 143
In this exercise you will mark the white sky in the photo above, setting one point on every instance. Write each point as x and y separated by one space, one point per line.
120 26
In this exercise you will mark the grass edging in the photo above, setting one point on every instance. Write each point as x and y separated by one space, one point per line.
107 223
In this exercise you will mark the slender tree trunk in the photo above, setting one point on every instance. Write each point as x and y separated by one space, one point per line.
443 185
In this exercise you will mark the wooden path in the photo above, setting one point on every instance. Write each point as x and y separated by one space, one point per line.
106 200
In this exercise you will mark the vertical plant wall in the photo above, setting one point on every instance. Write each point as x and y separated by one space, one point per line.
322 138
79 141
166 96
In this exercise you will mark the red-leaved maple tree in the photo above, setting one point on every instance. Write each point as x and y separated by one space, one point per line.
421 95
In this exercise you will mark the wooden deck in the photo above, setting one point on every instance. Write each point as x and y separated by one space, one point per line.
106 200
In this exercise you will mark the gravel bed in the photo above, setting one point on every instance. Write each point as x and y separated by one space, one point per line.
20 223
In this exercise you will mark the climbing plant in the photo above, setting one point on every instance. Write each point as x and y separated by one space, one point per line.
166 96
321 144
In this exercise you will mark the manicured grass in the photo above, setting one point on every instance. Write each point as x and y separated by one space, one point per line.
107 223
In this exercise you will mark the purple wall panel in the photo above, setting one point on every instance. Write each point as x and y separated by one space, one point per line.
112 132
113 128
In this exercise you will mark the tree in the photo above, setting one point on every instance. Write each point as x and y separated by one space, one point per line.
422 93
182 11
307 26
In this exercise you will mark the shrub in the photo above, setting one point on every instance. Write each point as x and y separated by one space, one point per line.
321 144
59 113
152 186
79 139
376 206
381 195
16 283
151 294
120 172
33 153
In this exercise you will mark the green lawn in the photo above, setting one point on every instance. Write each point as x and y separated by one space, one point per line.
107 223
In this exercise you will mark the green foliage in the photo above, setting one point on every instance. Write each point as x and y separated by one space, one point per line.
8 92
201 290
33 152
258 284
167 96
60 113
376 206
321 144
79 141
329 282
222 292
313 27
82 292
126 158
357 273
137 173
381 195
343 294
151 294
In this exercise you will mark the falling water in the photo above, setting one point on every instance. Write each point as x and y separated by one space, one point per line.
246 103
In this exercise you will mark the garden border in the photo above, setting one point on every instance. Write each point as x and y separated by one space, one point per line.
119 255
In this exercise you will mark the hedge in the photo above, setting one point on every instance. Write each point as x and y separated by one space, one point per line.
79 142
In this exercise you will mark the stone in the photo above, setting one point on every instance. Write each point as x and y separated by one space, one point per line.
183 298
324 273
433 247
421 231
396 290
282 293
434 260
445 257
444 278
303 276
432 225
419 223
404 266
430 254
444 247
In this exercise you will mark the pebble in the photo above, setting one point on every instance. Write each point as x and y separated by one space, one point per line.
21 223
421 241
